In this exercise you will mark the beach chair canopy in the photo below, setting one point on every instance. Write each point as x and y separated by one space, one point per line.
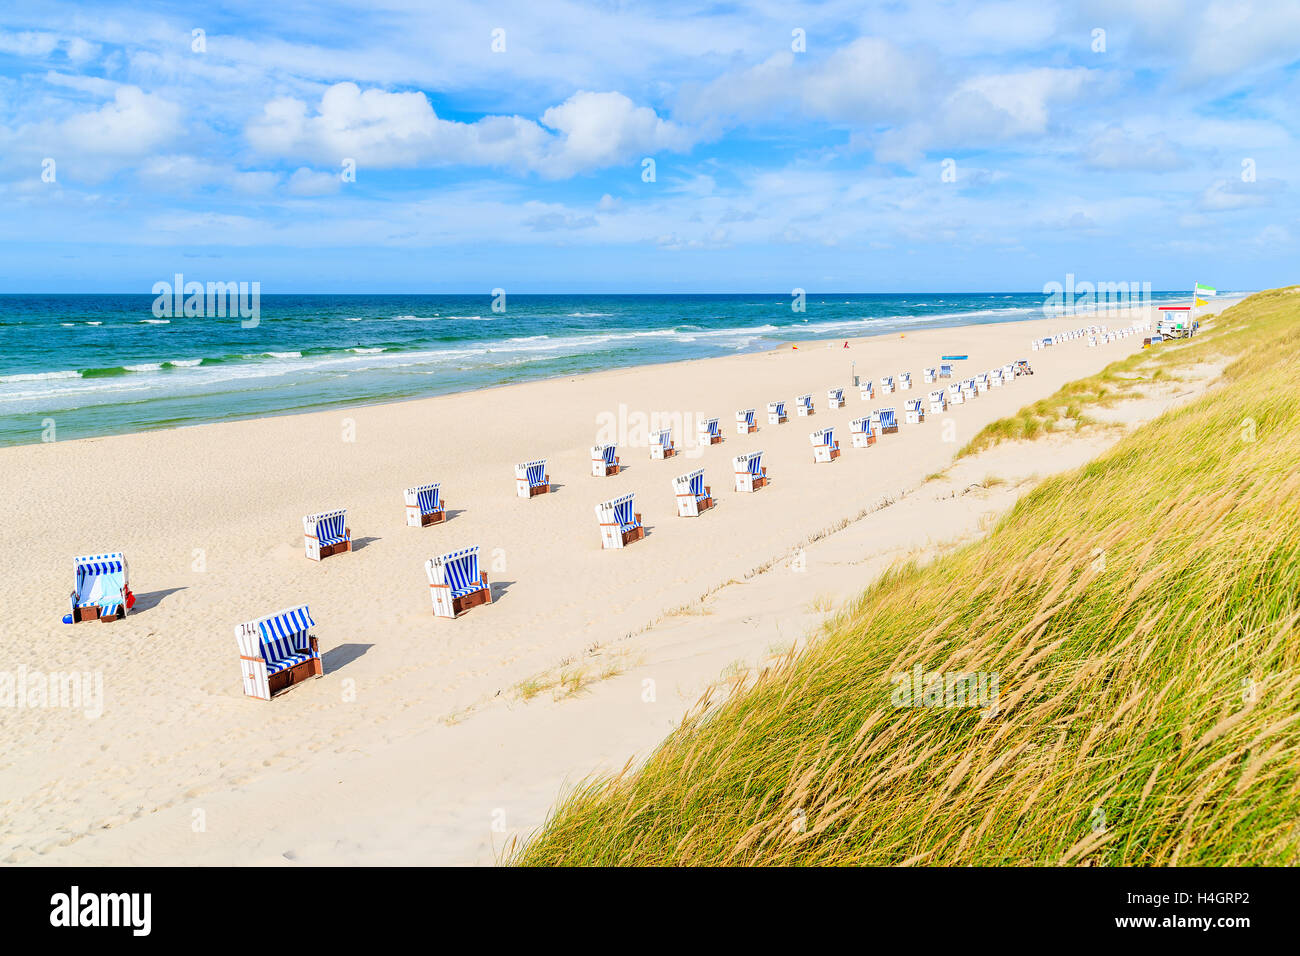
835 394
328 527
913 405
709 427
458 570
886 417
945 371
776 408
663 436
745 415
534 472
691 483
805 400
605 452
620 510
823 436
751 462
284 638
425 497
859 424
100 581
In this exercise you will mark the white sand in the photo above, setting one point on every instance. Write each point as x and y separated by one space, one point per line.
417 746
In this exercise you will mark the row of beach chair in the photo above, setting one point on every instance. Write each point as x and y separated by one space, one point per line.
278 651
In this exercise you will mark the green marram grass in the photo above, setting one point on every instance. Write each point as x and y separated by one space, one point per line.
1141 615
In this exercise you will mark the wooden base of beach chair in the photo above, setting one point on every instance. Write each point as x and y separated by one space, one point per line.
889 430
715 439
338 548
433 517
286 680
611 470
751 429
635 534
473 599
760 481
705 504
541 489
93 614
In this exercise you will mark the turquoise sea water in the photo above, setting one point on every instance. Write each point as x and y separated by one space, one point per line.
106 364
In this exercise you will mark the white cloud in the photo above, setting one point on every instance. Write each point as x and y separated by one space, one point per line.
380 129
1120 149
311 182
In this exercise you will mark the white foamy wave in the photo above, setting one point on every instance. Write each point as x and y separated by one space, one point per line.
146 367
155 321
361 351
185 363
588 315
283 355
94 323
38 376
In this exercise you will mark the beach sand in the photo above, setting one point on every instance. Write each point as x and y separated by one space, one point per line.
419 745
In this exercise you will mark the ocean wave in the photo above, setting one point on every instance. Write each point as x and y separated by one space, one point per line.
39 376
588 315
155 321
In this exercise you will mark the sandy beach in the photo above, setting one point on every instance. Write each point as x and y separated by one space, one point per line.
423 742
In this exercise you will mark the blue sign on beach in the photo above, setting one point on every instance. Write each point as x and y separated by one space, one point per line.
953 358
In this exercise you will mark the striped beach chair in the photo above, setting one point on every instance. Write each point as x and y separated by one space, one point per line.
861 433
938 403
1008 373
969 390
531 478
604 461
904 381
825 447
424 505
745 423
928 375
661 444
803 405
693 495
1034 345
888 420
456 584
995 378
750 473
709 432
866 390
1092 341
945 371
982 383
956 395
913 412
278 652
326 533
100 591
886 384
835 397
620 525
776 413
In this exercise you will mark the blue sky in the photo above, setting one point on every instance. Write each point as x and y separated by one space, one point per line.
1156 146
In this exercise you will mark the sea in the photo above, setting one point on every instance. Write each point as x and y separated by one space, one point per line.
77 366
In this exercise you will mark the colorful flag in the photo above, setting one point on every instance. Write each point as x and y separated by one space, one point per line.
1205 290
1201 302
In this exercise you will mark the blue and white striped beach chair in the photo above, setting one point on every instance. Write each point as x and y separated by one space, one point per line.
956 395
929 376
835 397
455 582
619 524
861 433
693 495
981 383
1008 373
424 505
604 461
326 533
945 371
776 413
745 423
803 405
750 473
709 432
888 420
886 384
531 478
277 652
100 591
995 378
866 390
969 388
938 404
825 447
661 444
904 381
913 412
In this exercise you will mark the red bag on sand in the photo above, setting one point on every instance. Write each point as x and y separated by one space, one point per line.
130 599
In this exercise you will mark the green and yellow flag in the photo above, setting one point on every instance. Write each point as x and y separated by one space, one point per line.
1204 291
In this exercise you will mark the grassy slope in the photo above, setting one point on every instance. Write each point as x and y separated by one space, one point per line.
1141 615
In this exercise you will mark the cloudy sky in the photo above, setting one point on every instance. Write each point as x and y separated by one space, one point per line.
550 145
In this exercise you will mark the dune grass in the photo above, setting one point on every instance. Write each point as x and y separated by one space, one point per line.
1140 615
